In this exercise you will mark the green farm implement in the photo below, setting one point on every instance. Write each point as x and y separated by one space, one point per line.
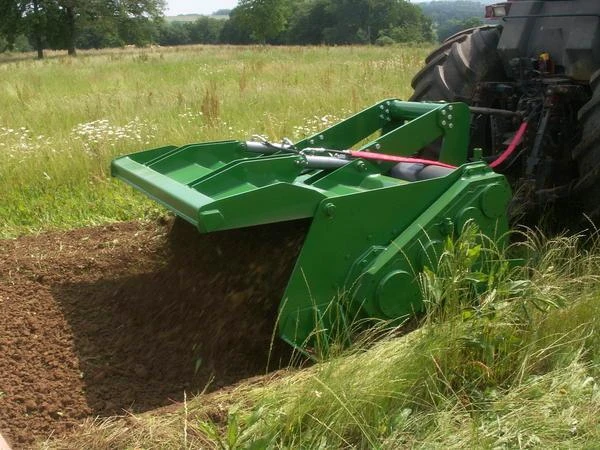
379 214
385 187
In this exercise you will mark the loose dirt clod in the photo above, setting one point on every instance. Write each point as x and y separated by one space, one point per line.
101 320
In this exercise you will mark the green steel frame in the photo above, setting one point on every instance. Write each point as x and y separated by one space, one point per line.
371 233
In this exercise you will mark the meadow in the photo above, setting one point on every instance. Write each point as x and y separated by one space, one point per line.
508 358
63 119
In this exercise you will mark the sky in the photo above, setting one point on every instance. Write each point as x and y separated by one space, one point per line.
175 7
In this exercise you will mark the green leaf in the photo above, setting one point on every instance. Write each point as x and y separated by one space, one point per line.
232 431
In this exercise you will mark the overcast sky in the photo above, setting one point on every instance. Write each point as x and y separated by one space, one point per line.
175 7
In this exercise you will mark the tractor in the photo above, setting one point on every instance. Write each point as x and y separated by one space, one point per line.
536 68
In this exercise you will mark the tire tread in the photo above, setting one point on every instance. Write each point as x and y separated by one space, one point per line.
452 70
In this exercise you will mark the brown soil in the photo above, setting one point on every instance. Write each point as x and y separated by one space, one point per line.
101 320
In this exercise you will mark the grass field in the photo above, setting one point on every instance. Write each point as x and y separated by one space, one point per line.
512 363
63 119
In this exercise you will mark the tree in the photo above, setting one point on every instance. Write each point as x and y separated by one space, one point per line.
365 21
132 20
453 26
308 21
11 24
40 21
173 33
409 25
205 30
234 30
264 19
350 25
58 23
449 17
45 22
326 22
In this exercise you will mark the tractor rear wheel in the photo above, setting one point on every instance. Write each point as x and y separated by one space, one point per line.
453 70
587 153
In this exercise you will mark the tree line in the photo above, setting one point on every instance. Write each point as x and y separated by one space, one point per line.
66 24
71 24
332 22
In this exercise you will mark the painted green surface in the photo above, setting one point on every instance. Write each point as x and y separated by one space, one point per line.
371 233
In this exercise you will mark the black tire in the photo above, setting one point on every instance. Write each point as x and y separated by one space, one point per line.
453 69
587 152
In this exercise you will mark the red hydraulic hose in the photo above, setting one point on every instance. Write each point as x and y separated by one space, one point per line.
429 162
399 159
512 147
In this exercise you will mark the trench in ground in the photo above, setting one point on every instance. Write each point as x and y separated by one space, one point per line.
128 317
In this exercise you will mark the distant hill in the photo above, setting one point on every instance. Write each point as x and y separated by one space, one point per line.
450 17
183 18
441 11
220 14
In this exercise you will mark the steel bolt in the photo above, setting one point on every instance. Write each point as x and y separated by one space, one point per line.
451 125
450 107
443 112
450 117
377 146
444 123
321 137
329 209
447 226
312 142
361 166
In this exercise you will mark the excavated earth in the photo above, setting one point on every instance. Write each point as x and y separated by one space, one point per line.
128 317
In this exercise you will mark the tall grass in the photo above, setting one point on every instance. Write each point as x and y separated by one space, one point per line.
508 357
63 119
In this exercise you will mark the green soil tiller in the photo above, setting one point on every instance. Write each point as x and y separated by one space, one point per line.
379 215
